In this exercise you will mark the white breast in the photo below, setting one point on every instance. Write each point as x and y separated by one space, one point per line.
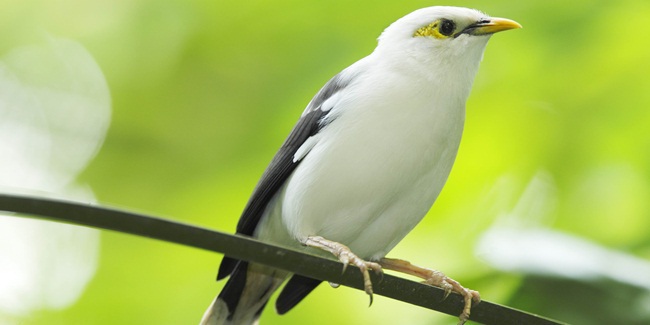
374 171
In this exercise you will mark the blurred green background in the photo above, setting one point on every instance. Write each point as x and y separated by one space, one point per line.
204 92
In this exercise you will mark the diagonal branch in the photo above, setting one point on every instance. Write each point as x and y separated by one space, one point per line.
249 249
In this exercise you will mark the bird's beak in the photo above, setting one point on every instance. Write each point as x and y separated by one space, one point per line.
490 26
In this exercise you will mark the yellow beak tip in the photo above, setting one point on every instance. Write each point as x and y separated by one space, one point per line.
501 24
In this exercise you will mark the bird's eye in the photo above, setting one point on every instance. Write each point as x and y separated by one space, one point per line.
440 29
447 27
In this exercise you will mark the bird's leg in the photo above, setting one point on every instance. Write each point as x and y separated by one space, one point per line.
435 278
346 256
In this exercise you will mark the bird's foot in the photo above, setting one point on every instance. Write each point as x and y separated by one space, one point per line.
438 279
346 256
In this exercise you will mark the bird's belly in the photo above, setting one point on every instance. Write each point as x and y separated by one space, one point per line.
369 190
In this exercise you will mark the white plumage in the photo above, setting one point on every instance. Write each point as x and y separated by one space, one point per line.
369 155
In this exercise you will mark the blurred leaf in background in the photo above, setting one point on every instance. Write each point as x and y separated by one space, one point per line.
54 112
204 92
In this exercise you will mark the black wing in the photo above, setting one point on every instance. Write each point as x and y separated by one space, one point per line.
294 291
283 165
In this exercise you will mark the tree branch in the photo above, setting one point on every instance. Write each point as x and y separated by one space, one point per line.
249 249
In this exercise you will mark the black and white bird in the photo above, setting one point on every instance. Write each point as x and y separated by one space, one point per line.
365 162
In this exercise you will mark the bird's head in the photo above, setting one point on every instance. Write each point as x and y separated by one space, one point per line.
441 38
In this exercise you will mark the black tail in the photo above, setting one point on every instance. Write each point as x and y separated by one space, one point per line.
246 293
234 288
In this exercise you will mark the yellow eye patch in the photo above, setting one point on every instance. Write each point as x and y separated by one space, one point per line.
433 29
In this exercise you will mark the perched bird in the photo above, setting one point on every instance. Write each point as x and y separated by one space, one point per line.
365 162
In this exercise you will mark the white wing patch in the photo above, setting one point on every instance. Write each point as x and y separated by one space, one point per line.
331 102
306 147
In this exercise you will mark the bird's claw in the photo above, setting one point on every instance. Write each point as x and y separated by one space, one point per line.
345 265
438 279
363 266
346 256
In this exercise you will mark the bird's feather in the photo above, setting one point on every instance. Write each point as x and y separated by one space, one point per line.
235 286
245 295
297 288
283 163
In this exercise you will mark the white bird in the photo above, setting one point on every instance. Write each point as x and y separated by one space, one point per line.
365 162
